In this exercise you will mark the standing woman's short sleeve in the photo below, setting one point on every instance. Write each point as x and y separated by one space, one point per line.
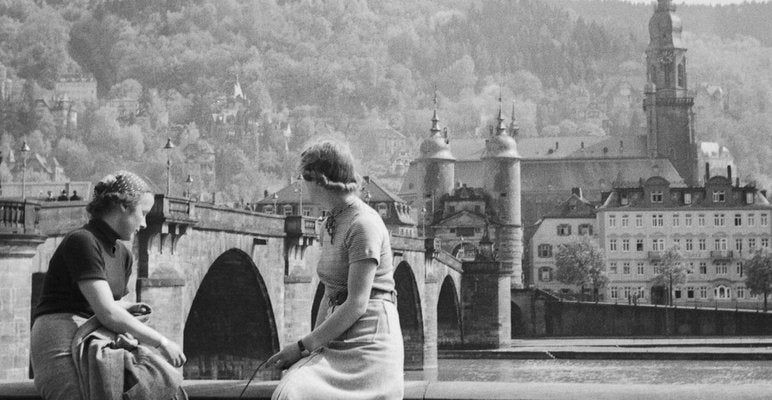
83 259
364 241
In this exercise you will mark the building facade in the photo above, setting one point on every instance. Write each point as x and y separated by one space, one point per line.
571 221
716 227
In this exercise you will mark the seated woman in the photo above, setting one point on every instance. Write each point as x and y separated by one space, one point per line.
87 276
355 351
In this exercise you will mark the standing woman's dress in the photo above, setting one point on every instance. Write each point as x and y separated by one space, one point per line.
366 361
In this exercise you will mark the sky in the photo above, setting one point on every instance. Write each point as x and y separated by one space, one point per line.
700 2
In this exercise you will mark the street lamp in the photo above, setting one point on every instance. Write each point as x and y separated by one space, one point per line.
300 190
188 182
168 147
24 155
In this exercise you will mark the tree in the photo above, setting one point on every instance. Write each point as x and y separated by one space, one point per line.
758 274
671 272
581 263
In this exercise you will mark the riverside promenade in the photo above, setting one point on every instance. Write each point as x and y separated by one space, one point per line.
685 348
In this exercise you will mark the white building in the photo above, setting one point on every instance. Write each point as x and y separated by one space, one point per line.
716 227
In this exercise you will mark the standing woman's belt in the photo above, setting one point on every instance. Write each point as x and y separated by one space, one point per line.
376 294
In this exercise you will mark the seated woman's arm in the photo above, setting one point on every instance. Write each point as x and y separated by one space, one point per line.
114 316
360 282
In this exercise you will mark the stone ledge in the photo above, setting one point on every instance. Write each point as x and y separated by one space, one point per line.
414 390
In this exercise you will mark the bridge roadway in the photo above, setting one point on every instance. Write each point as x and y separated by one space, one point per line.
415 390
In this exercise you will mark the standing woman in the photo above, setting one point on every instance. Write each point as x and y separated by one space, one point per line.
355 351
87 276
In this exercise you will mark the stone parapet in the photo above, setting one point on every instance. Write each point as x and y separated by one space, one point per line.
415 390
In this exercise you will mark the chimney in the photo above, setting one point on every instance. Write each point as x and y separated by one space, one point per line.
577 191
557 144
581 145
737 180
707 172
729 173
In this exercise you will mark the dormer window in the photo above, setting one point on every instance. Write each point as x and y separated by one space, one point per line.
623 199
719 196
687 198
287 209
656 196
749 198
382 209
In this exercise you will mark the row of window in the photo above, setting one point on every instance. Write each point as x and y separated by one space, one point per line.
689 292
721 268
658 244
288 209
658 220
565 230
719 196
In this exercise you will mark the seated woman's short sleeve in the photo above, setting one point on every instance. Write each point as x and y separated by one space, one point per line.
364 241
83 259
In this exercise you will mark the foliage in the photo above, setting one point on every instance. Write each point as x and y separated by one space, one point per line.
758 274
328 66
581 263
671 271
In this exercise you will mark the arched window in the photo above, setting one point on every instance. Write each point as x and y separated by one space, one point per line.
681 75
722 292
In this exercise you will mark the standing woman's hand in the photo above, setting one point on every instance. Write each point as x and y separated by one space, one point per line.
173 352
285 358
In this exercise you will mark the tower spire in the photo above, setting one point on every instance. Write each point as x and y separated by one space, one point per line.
514 129
435 130
501 129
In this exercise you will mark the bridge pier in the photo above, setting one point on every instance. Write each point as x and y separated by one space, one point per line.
19 241
486 305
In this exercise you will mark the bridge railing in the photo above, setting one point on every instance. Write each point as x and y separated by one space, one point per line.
19 217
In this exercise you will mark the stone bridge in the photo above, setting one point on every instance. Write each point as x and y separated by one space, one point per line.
233 286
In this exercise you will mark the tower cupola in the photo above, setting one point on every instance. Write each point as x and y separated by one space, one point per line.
501 144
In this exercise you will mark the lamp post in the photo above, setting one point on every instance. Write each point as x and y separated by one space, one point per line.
189 181
300 191
24 155
168 147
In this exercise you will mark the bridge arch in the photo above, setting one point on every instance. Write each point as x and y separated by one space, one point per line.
410 316
230 328
448 316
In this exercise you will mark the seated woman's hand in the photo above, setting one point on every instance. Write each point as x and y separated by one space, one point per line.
285 358
173 353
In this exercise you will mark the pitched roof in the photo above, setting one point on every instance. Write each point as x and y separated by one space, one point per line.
573 207
463 218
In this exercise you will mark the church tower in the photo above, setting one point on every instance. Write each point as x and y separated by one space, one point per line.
668 108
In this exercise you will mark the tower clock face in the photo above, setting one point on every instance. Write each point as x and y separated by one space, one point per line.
666 57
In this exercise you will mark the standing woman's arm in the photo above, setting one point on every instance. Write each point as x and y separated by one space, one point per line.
360 282
115 317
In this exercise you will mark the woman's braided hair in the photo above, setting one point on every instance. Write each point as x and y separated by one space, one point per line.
331 165
121 188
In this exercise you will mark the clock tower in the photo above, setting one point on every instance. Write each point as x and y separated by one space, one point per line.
668 108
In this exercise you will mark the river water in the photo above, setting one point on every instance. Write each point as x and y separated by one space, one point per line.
604 371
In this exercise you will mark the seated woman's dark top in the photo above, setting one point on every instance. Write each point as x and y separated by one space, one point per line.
91 252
